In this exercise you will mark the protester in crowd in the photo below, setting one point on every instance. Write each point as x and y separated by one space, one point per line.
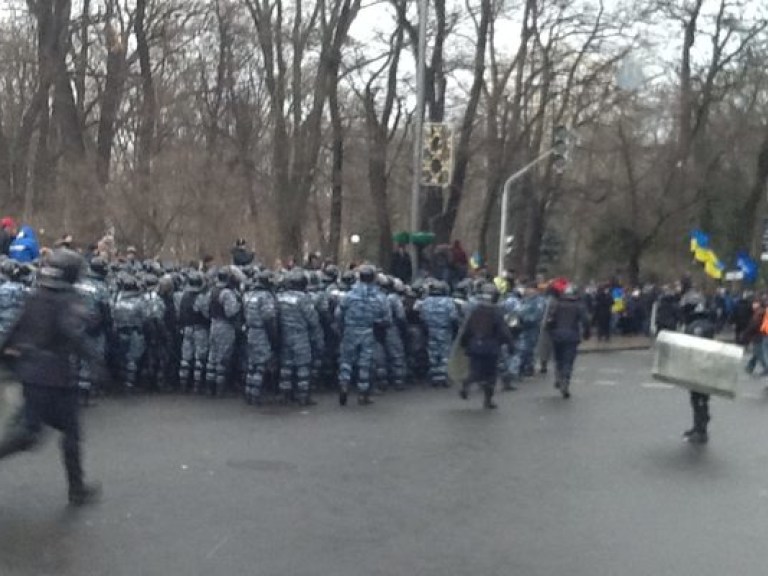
402 266
25 247
753 336
459 262
241 256
602 313
8 232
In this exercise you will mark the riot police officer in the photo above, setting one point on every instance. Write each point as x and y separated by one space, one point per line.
363 309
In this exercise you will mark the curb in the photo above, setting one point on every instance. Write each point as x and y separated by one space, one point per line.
622 349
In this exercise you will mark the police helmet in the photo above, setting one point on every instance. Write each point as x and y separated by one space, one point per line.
384 281
196 279
314 281
330 274
99 267
126 281
367 273
63 268
10 268
296 279
488 292
438 288
348 278
165 285
463 289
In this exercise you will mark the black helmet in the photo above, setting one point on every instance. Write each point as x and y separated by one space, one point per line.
150 280
296 279
126 281
99 267
348 278
367 273
196 280
438 288
63 268
488 292
314 281
330 274
223 275
10 269
463 289
165 285
384 281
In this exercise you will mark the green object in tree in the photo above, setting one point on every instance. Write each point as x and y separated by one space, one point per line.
417 238
401 238
422 238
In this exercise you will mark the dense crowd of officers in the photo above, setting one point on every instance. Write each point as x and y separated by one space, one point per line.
280 334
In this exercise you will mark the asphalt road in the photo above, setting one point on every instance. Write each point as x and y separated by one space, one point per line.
421 483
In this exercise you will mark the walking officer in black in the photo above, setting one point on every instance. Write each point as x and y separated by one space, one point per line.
49 332
485 331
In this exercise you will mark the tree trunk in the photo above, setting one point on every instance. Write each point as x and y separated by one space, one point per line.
146 132
751 234
82 63
5 163
337 173
447 219
111 101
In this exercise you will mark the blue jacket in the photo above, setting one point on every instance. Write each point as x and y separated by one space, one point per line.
25 247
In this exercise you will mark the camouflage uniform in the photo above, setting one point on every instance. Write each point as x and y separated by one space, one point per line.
194 333
362 309
128 314
260 317
300 337
226 309
440 317
95 294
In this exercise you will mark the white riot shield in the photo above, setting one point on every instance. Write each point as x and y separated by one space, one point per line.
697 364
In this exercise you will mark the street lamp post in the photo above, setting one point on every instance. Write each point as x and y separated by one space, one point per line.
505 203
418 130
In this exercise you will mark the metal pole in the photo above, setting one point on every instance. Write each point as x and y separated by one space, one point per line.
418 130
505 203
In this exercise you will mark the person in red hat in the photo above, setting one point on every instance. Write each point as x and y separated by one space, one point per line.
8 231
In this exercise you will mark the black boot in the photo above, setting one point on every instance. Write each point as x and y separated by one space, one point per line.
84 494
464 391
305 399
488 402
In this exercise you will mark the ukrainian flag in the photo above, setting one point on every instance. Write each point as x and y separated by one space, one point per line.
714 269
476 261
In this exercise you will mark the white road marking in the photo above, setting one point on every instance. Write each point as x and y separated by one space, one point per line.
656 386
611 370
604 383
216 548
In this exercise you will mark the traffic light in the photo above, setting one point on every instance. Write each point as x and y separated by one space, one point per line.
560 143
509 245
437 163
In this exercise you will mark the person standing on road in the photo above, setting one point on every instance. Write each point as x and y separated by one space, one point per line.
485 332
567 321
363 309
50 331
752 336
698 322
